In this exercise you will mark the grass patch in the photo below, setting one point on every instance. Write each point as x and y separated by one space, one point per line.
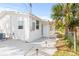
65 53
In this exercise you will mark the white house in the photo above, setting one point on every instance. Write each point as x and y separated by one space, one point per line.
46 28
22 26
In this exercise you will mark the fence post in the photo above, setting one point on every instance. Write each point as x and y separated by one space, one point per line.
74 42
46 43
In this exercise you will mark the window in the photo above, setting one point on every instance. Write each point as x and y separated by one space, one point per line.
33 25
37 24
20 27
20 24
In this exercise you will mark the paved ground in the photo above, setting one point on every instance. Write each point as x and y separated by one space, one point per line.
45 46
14 47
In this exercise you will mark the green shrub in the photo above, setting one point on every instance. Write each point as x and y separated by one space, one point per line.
59 35
68 42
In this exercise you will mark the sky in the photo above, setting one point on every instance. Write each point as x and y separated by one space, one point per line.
43 10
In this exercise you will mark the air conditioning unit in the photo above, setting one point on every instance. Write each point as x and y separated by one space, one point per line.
2 36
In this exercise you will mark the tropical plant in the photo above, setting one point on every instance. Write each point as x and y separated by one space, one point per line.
57 15
70 14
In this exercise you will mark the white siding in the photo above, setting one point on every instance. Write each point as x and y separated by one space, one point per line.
35 34
9 25
27 26
46 30
18 33
5 25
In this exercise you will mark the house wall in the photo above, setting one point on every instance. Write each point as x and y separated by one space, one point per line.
9 25
4 25
27 27
17 33
35 34
46 29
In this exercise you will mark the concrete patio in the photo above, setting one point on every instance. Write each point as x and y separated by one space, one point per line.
17 47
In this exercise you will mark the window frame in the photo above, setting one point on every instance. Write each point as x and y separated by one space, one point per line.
37 24
20 27
20 24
